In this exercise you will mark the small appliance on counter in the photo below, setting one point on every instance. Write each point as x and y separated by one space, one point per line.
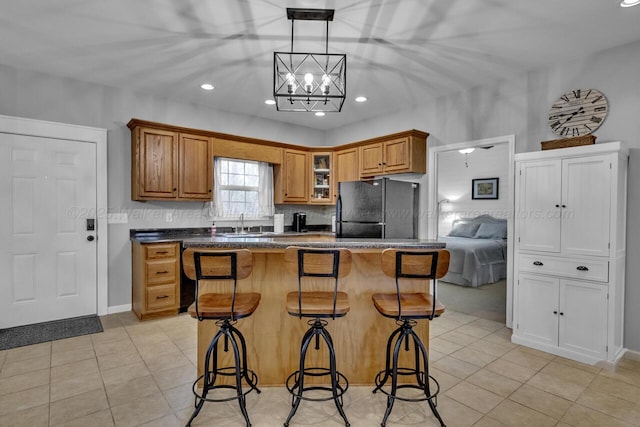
377 208
299 222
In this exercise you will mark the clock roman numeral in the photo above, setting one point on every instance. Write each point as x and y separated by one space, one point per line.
565 98
564 131
596 119
575 132
597 99
600 109
587 95
554 117
587 126
576 93
555 125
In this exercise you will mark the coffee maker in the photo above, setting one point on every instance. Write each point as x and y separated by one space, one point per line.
299 222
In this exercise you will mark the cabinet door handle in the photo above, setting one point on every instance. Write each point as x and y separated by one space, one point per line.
561 313
161 272
557 206
161 252
538 263
555 312
582 268
162 296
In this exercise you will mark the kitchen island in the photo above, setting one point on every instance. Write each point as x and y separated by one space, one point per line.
273 336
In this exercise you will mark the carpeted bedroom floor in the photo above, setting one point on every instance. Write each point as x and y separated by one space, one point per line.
486 302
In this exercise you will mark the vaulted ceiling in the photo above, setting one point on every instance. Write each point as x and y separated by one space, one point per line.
399 52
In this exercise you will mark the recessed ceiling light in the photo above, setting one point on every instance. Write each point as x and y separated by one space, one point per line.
270 102
206 86
364 98
320 113
629 3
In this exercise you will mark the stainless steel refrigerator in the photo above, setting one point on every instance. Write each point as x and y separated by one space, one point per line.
378 208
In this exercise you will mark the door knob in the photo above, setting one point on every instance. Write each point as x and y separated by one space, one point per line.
91 238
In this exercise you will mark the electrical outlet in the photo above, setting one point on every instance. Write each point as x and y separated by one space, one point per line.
168 217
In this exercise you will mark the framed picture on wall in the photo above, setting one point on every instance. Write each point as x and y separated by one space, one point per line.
484 188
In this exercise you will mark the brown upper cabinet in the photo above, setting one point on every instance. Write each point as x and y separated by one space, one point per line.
168 165
175 163
295 175
399 153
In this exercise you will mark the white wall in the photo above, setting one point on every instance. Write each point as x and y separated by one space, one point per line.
519 106
454 184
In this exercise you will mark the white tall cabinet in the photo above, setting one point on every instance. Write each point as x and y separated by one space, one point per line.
570 225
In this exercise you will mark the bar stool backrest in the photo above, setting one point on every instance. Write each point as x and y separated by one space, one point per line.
416 264
317 262
223 265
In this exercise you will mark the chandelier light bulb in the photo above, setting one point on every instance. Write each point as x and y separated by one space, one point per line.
326 83
308 82
291 83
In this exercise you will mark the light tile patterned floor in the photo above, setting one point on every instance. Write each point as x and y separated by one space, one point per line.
140 374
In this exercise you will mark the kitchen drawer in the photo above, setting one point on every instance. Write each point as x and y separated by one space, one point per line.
161 297
161 251
565 267
161 271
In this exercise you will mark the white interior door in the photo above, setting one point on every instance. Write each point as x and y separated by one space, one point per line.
47 262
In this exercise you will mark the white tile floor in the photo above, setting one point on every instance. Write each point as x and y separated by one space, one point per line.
140 374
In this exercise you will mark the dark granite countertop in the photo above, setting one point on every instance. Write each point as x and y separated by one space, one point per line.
317 240
201 238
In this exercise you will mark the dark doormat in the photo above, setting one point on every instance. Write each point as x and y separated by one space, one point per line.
49 331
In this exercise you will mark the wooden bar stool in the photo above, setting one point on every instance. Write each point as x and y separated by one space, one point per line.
228 266
406 308
320 264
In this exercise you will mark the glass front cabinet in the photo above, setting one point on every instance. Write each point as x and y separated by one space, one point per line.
322 185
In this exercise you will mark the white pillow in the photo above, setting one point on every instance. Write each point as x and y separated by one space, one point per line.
492 230
464 229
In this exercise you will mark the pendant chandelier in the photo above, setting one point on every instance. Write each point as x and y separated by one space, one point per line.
309 81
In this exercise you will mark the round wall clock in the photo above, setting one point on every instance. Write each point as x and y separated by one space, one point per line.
578 112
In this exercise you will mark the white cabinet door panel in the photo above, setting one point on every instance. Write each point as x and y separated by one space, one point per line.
586 199
539 209
537 302
583 317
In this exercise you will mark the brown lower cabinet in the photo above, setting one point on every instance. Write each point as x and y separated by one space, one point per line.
156 279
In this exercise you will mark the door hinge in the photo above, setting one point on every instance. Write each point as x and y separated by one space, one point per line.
606 348
517 325
610 165
609 245
607 296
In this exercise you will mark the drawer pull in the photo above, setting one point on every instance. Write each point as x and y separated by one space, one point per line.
582 268
537 263
161 272
161 252
162 296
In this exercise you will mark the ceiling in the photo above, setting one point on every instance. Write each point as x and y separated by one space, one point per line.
399 52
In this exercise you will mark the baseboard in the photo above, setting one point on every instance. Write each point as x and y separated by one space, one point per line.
632 355
118 308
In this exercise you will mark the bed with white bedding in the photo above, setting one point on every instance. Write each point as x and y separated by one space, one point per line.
478 248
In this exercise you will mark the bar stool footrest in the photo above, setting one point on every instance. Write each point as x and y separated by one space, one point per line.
252 382
292 386
408 372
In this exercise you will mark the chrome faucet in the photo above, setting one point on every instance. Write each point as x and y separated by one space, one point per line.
242 223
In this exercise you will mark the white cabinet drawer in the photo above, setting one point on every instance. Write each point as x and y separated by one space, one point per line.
565 267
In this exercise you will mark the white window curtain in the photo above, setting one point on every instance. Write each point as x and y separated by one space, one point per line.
265 207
